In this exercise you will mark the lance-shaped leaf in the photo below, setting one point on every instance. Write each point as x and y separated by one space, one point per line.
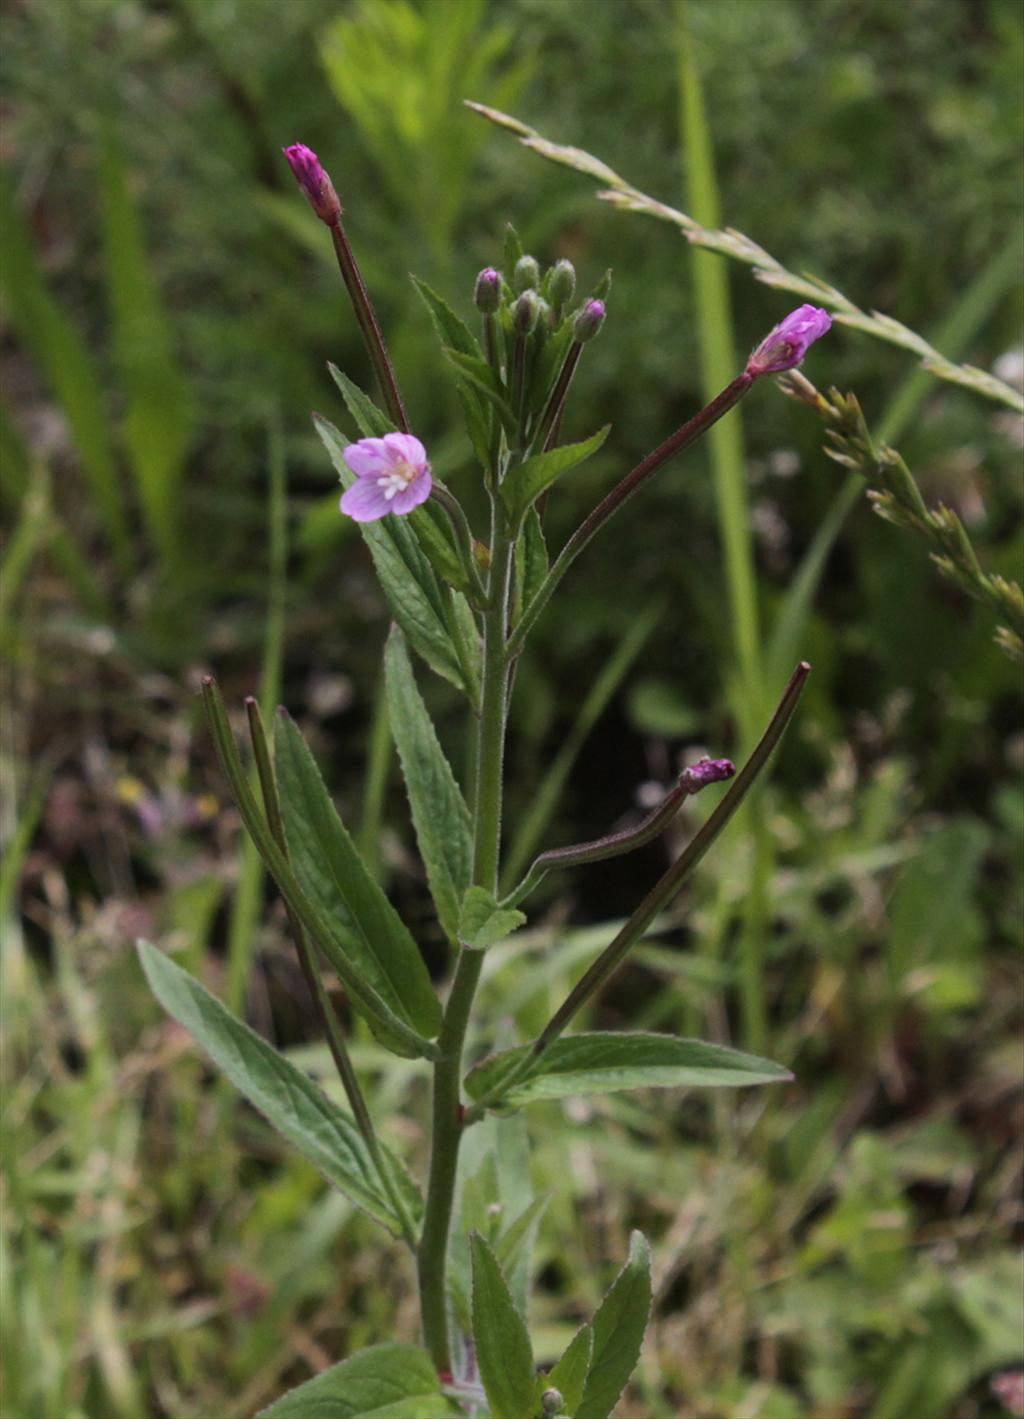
287 1098
483 923
476 374
369 420
603 1063
570 1374
435 619
334 877
439 812
619 1327
524 485
450 327
384 1382
390 1027
503 1351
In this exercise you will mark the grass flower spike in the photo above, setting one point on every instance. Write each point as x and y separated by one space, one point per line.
315 183
789 342
392 475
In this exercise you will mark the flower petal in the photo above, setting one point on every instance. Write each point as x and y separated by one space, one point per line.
417 492
369 457
406 446
365 501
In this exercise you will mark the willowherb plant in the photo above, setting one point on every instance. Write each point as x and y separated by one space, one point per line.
465 601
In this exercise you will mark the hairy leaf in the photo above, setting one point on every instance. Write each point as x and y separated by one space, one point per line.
570 1374
603 1063
286 1097
524 484
503 1350
482 922
619 1327
384 1382
439 812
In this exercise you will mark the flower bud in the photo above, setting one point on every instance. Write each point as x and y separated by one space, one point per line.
526 276
314 182
788 343
551 1401
698 776
562 283
525 312
488 290
588 322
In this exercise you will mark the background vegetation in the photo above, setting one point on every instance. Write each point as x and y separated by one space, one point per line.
843 1247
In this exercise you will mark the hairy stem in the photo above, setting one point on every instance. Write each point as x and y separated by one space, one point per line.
366 317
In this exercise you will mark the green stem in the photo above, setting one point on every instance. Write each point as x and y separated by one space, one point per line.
448 1112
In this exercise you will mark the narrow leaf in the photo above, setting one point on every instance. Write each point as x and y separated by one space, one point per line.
334 877
386 1380
570 1374
619 1327
482 922
287 1098
439 812
451 328
419 603
605 1063
534 566
523 485
369 420
478 375
389 1027
503 1350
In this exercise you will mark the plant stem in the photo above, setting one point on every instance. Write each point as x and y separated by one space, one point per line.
592 524
447 1110
366 318
657 898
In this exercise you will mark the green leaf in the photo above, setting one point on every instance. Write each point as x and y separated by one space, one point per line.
369 420
384 1381
532 548
423 608
390 1028
482 922
434 534
604 1063
513 250
523 485
570 1374
452 330
439 812
503 1350
619 1327
477 374
286 1097
334 877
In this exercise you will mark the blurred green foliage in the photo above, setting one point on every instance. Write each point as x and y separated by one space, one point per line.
167 298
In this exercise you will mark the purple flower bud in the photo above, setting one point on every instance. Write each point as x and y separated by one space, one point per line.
588 322
314 182
526 276
488 290
525 312
789 342
698 776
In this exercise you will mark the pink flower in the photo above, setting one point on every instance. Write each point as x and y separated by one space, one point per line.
789 342
392 475
314 182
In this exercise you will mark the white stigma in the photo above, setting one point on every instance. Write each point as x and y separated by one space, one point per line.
398 478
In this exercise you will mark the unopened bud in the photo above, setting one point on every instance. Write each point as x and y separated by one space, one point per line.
588 322
526 276
699 775
551 1402
525 312
488 290
315 183
562 284
789 342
